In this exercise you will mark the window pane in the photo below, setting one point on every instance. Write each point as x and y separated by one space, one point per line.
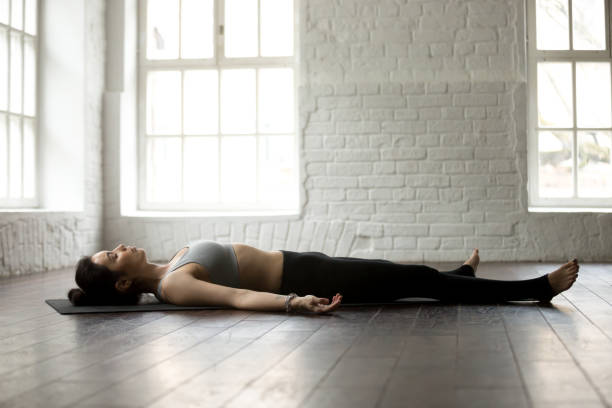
594 165
201 110
30 16
4 11
16 73
555 94
276 169
17 14
3 156
15 157
29 80
276 27
276 100
238 101
197 29
238 171
4 67
552 25
555 164
588 23
163 169
162 29
241 28
29 158
593 94
164 102
201 171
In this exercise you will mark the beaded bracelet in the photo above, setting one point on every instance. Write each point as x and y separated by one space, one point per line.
288 300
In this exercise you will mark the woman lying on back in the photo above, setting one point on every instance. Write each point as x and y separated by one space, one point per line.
208 273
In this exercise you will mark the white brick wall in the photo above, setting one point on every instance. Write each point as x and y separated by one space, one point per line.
419 171
37 242
412 145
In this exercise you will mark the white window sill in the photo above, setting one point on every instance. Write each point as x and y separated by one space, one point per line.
568 210
219 215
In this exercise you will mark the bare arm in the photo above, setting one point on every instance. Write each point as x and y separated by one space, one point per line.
269 302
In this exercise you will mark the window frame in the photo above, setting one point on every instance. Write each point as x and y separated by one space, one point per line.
218 62
573 56
30 202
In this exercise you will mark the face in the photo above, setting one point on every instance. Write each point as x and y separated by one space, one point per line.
121 258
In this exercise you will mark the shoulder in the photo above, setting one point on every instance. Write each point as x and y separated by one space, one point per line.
184 289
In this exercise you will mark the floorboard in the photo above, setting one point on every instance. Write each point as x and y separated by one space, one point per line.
424 353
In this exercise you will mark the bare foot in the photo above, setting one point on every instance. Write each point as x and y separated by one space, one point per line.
473 260
564 277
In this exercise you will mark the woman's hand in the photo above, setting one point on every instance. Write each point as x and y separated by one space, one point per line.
318 305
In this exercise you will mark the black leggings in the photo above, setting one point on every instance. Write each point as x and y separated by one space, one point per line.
377 280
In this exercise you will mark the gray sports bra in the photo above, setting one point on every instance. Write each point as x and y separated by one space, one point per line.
219 259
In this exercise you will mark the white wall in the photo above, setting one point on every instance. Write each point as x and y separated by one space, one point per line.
71 85
413 144
413 147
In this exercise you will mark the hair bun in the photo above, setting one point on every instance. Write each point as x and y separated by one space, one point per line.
77 297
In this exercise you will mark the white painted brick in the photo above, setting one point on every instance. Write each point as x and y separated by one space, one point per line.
483 243
332 102
348 169
481 152
406 230
345 89
449 126
357 127
356 195
473 217
357 155
429 167
319 128
502 166
427 194
404 242
316 169
419 101
342 209
475 100
454 167
384 167
370 229
501 192
477 166
494 229
451 243
429 243
381 181
350 114
427 140
459 87
452 230
403 153
380 194
333 141
429 113
313 142
404 167
475 113
391 88
406 114
384 101
441 49
413 89
404 127
446 153
383 140
334 182
475 193
427 180
367 88
439 218
381 114
491 125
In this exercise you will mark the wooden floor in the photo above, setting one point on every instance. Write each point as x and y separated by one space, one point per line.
422 354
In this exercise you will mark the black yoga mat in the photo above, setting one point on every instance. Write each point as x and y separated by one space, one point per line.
63 306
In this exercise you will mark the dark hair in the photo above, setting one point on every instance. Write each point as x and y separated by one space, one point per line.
97 286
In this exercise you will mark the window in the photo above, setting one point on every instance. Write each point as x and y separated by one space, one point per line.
570 119
217 122
18 134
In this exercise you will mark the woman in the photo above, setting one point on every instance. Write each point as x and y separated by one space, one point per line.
243 277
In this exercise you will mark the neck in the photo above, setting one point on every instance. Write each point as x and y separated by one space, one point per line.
150 276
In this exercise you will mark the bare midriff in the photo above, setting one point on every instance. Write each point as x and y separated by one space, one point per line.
257 269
